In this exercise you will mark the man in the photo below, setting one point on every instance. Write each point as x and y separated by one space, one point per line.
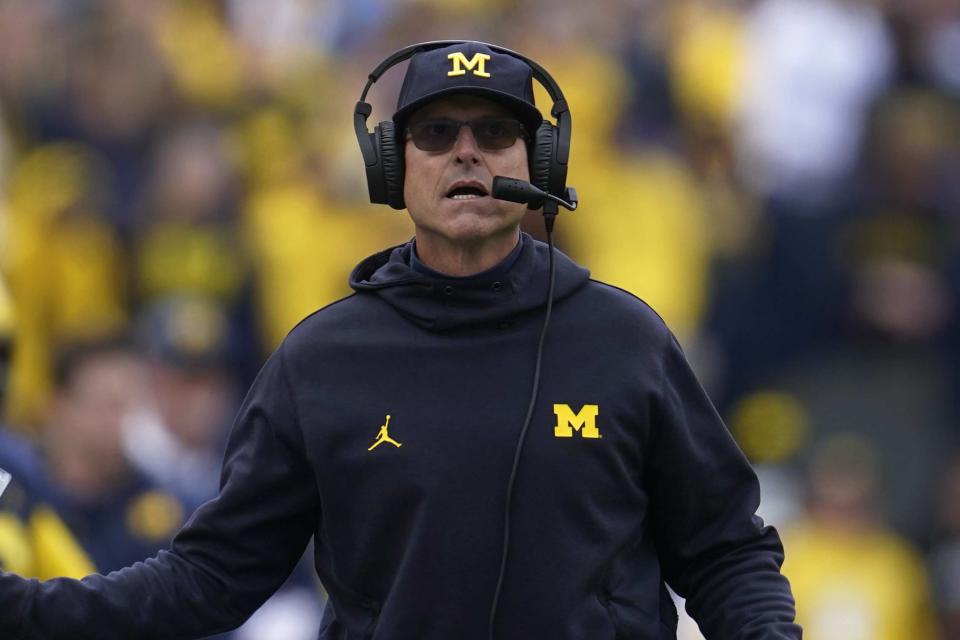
33 539
628 478
116 512
177 439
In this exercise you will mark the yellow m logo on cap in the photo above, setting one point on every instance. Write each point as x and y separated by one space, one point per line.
584 421
479 60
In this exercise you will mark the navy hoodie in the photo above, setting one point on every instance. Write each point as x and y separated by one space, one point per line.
385 427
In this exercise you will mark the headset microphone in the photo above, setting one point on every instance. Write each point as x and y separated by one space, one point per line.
515 190
521 191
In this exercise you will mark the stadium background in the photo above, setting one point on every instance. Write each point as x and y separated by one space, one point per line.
780 179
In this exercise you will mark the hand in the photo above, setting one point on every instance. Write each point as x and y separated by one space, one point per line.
5 478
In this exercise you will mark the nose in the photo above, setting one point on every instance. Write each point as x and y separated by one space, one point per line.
465 149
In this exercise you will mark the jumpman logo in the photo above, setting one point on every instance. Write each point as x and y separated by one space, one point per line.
383 436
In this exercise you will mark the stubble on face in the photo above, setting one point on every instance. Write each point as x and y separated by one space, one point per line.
462 236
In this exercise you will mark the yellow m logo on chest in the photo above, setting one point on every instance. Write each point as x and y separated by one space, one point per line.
479 60
584 421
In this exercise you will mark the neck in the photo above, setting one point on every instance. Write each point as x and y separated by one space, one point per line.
463 258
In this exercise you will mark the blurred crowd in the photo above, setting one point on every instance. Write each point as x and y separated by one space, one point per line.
779 179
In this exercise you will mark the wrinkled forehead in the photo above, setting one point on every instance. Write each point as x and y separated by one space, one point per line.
460 107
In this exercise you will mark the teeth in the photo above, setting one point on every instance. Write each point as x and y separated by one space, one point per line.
465 196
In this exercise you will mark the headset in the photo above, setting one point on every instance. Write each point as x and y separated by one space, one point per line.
382 149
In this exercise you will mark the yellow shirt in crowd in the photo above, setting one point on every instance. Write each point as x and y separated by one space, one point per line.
868 585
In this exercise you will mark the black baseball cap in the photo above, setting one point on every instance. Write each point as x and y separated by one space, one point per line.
187 332
471 68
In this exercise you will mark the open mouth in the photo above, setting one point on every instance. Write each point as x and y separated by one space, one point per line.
466 192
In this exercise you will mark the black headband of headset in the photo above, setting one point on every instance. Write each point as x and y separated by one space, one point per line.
362 111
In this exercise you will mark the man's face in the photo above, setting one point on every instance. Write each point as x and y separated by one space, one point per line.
431 175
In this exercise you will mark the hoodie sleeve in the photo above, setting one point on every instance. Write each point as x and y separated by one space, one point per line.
232 554
714 550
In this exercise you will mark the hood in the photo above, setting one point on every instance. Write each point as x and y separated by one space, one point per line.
438 303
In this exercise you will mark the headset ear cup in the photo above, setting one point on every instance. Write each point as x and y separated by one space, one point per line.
392 160
544 144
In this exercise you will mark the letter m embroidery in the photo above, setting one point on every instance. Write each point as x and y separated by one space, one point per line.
584 421
479 60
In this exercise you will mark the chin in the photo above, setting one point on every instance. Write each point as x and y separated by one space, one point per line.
468 223
474 228
471 231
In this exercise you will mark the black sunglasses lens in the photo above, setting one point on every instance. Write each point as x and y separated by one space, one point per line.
434 135
490 133
496 133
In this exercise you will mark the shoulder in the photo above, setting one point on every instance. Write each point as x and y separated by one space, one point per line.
337 316
328 333
618 307
335 312
622 300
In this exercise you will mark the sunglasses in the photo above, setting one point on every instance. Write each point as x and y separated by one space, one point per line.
491 134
